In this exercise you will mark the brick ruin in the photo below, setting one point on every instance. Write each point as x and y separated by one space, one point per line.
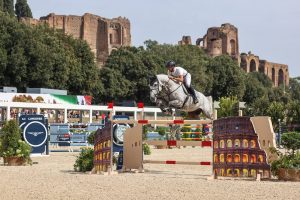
102 34
224 40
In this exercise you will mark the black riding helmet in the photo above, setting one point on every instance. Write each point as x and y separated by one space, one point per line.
170 63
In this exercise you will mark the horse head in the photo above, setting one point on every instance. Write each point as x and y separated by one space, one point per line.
155 88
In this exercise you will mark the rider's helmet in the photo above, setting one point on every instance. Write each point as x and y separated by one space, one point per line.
170 63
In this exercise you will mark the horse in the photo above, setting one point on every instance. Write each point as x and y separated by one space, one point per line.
169 95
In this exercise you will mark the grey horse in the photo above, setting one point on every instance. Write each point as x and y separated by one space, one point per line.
168 94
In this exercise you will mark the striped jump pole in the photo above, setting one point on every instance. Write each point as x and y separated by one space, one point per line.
173 162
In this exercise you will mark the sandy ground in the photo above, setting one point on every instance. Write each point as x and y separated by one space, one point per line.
53 178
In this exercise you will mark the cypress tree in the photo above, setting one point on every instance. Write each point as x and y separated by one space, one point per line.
8 6
23 9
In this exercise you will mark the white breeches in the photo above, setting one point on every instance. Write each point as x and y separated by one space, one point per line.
187 80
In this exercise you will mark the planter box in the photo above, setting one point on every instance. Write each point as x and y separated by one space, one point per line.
289 174
14 161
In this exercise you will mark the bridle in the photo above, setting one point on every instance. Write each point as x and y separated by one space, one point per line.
165 91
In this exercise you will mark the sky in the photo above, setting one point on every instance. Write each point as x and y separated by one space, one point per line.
267 28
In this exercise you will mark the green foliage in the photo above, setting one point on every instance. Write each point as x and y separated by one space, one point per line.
293 112
276 111
23 9
85 160
11 143
228 78
146 149
161 130
286 162
1 5
42 57
228 107
91 137
8 7
289 160
291 141
257 86
294 88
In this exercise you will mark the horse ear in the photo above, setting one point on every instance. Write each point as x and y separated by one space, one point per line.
151 79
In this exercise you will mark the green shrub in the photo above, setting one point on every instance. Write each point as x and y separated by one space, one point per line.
91 138
146 149
85 160
289 160
11 143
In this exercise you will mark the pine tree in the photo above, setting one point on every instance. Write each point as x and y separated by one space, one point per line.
23 9
8 6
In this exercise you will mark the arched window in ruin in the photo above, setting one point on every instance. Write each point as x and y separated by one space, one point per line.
245 172
253 173
273 75
222 172
221 158
260 159
216 158
280 77
245 143
222 144
236 172
216 144
237 158
261 68
229 158
229 144
252 144
243 64
237 143
229 172
232 47
252 66
245 158
253 158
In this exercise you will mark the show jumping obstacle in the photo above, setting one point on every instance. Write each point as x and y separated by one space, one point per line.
133 145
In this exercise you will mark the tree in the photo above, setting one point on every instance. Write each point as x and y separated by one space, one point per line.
23 9
291 141
228 78
294 88
228 107
8 6
254 88
276 111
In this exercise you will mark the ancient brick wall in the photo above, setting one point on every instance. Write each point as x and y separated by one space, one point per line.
103 35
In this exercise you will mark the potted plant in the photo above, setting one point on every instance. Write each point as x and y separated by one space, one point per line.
287 166
13 150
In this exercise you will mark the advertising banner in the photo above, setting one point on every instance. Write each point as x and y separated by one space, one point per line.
45 98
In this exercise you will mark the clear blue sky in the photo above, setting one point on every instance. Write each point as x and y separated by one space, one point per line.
267 28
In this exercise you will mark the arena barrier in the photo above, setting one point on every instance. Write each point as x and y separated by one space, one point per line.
133 145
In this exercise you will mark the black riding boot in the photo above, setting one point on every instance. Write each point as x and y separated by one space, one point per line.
192 92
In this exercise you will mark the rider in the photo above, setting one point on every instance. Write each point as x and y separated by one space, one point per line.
181 75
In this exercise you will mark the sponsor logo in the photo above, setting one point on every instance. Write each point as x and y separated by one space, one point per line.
35 133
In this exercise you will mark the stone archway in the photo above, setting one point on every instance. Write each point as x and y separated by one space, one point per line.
243 64
273 75
252 66
280 77
232 47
